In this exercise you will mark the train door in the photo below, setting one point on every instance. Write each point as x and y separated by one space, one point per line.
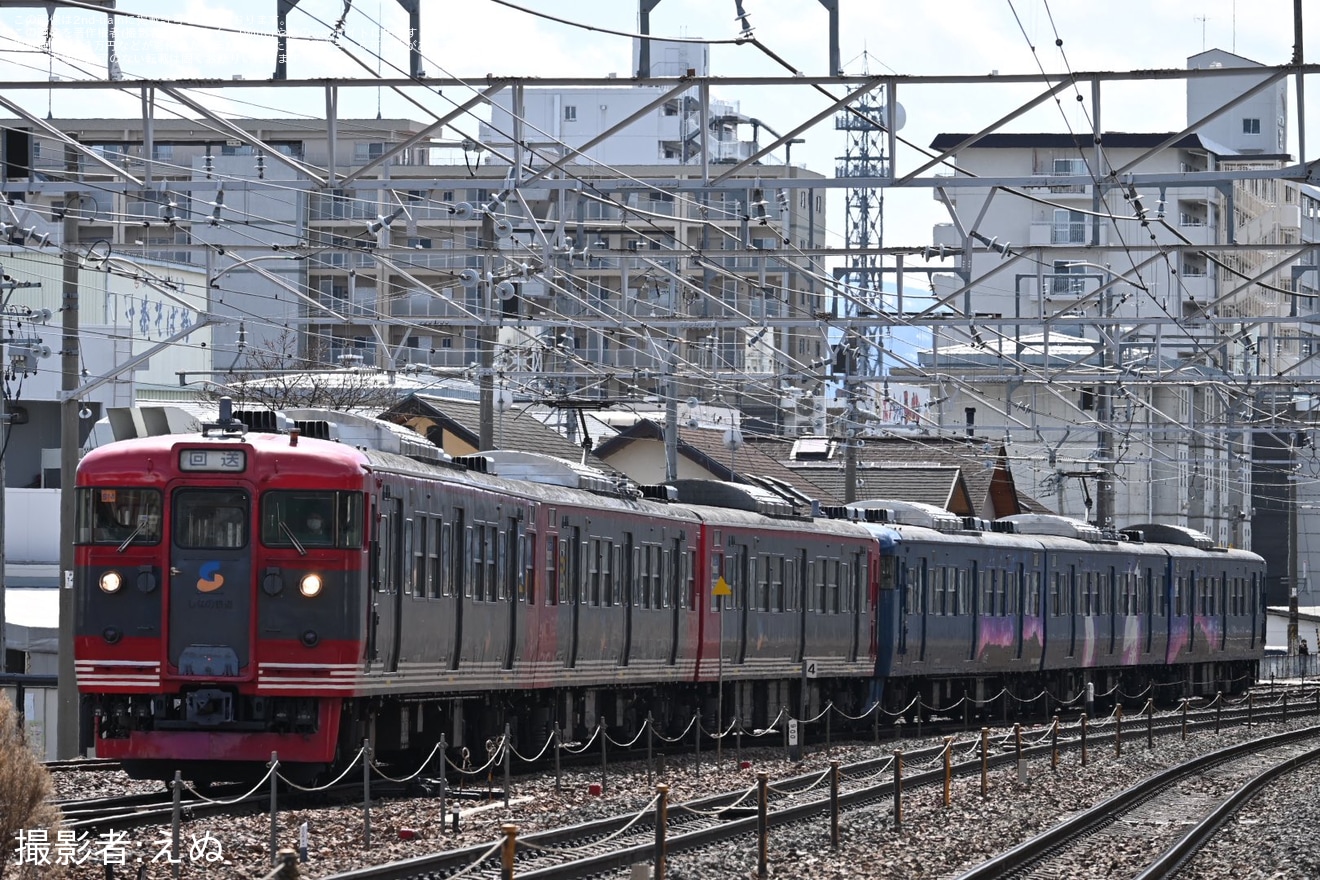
742 579
210 618
1070 601
511 569
1195 592
802 578
978 604
570 567
923 607
457 577
674 580
1019 600
1146 602
626 573
399 536
1221 594
1255 599
373 591
850 589
904 605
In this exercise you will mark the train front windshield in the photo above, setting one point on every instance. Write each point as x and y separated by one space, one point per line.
307 518
210 519
117 516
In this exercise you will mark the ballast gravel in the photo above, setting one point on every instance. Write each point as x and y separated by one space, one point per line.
1270 840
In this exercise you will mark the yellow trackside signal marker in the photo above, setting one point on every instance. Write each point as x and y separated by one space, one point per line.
722 587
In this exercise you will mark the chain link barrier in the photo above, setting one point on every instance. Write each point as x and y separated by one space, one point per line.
644 811
274 768
411 776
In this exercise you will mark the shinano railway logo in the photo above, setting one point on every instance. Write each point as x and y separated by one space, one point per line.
210 579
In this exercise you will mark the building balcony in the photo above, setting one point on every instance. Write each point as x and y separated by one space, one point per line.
1078 234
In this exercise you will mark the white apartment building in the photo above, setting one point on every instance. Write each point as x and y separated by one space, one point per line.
1112 353
582 270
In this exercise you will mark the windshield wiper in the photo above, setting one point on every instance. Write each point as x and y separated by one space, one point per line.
296 545
129 540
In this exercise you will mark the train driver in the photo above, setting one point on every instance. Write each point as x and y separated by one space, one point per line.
317 528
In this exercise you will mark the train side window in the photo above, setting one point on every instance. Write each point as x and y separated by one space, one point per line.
477 561
690 578
421 532
804 575
434 569
593 572
1179 584
666 577
528 554
494 550
503 571
831 604
582 563
760 583
616 572
790 585
465 562
657 567
446 547
113 516
775 574
553 549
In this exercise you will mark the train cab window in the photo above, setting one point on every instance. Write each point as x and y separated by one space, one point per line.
311 519
117 516
210 518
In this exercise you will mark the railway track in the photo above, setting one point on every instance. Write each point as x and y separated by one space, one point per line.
1169 816
81 764
615 843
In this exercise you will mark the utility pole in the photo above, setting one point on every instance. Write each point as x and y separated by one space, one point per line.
1104 484
850 425
486 335
1292 482
671 413
68 716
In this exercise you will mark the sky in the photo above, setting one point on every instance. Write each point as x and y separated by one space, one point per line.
471 39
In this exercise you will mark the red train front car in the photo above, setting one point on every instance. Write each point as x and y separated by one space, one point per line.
221 601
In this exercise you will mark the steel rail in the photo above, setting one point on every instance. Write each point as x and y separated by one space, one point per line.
1015 860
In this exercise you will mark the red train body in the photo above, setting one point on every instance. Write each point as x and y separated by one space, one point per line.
242 594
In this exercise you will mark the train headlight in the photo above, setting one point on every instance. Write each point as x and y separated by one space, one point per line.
310 585
111 581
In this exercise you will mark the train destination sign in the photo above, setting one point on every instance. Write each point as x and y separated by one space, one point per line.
213 460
